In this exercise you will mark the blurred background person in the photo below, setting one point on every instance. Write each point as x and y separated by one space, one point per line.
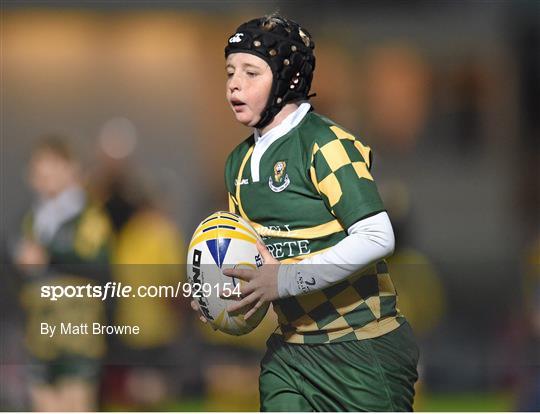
64 237
421 294
147 250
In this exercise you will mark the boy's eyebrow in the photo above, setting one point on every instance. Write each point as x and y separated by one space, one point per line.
244 65
249 65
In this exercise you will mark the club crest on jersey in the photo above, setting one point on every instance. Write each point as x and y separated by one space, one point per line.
280 180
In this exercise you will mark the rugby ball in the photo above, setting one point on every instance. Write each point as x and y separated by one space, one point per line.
222 240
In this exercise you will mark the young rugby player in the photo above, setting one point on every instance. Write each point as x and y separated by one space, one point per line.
65 242
305 185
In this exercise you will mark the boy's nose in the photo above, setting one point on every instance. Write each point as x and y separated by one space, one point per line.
234 83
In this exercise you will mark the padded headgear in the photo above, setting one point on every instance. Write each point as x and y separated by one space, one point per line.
288 50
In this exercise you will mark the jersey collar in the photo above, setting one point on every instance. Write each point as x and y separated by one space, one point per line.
285 126
263 142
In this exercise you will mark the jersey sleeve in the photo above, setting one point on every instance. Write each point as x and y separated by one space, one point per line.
340 171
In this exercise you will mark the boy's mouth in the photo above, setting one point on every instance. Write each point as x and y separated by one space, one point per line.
237 104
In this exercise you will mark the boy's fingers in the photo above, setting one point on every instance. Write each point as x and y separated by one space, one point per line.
244 274
245 289
253 310
231 296
195 307
240 304
265 253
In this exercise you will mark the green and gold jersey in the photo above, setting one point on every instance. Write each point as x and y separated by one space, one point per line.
78 254
315 182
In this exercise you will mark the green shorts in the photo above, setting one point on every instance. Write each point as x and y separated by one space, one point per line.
369 375
50 372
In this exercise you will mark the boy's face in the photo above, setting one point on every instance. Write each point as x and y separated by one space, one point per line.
50 174
249 80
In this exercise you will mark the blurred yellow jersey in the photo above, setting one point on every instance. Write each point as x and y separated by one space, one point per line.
148 251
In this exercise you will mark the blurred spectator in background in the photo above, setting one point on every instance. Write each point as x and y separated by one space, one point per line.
148 250
63 235
421 295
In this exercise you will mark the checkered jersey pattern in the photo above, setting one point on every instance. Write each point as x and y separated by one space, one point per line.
331 188
340 171
360 307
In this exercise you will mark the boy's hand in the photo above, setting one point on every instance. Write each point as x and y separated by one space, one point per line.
261 286
29 253
195 307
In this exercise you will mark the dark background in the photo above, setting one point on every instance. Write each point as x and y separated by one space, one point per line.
446 93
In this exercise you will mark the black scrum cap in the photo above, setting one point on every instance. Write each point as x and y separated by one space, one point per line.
288 50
